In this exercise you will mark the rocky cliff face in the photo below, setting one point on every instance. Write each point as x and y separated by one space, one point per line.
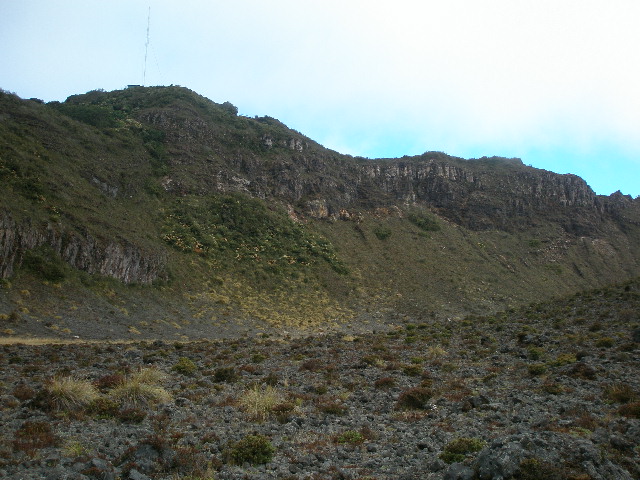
120 260
479 194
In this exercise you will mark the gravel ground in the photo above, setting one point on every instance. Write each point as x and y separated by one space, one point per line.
531 394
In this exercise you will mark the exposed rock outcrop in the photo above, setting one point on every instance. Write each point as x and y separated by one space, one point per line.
117 259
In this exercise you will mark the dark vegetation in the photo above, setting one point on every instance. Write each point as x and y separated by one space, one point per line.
235 229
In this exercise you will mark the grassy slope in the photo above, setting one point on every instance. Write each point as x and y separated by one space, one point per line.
454 270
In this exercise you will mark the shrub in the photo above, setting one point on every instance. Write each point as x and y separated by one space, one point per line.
150 376
253 449
537 369
564 359
185 366
535 353
605 342
271 379
230 108
423 221
74 449
258 402
552 388
283 410
132 415
382 232
584 371
103 408
535 469
384 382
108 381
312 365
413 399
595 327
456 450
436 352
45 263
412 370
332 407
352 437
233 228
258 358
620 393
67 393
32 436
23 392
630 410
225 374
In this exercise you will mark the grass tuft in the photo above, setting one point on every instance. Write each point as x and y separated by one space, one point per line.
141 390
260 401
69 393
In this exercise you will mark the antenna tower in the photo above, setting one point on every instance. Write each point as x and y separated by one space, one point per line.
146 50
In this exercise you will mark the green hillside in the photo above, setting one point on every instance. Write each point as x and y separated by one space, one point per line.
150 212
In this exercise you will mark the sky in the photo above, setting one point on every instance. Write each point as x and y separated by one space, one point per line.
553 82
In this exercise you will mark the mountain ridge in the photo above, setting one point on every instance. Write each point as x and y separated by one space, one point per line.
133 185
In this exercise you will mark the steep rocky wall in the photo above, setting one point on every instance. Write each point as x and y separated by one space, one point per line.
284 165
469 196
281 163
120 260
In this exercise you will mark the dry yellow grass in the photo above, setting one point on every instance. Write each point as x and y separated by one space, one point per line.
141 389
66 393
258 402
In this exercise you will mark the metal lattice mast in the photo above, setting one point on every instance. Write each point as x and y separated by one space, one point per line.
146 50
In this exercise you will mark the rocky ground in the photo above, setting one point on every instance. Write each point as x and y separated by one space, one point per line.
547 392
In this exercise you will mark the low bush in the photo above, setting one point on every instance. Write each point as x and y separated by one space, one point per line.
412 370
351 437
384 382
103 408
605 342
415 398
535 469
312 365
620 393
23 392
253 449
107 382
423 221
537 369
456 450
535 353
258 358
132 415
630 410
34 435
282 411
45 263
332 407
185 366
584 371
382 232
552 388
225 374
564 359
